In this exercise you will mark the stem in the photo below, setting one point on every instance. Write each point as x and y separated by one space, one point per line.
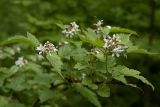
95 82
108 75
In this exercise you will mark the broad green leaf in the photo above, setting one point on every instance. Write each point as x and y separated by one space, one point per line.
122 30
79 54
90 95
91 37
119 77
100 67
46 94
18 83
100 56
17 39
132 73
65 51
80 66
35 67
56 62
88 82
43 79
103 90
33 39
141 51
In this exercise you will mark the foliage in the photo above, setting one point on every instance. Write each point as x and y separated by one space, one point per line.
39 18
85 61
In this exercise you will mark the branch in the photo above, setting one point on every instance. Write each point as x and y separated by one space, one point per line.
95 82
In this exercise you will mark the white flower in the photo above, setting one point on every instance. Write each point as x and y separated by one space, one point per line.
98 26
112 45
46 48
109 27
21 61
99 23
119 50
41 49
71 29
111 42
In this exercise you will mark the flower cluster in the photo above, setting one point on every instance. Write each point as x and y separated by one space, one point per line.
46 48
21 61
112 45
71 29
98 26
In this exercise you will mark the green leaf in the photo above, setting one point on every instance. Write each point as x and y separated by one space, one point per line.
132 73
103 90
18 83
46 94
90 95
122 30
65 51
43 79
33 39
80 66
91 37
88 82
56 62
17 39
79 54
3 101
141 51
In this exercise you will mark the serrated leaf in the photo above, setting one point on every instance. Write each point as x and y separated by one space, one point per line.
91 96
65 51
132 73
103 90
79 54
33 39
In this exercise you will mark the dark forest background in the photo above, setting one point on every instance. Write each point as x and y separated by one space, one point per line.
39 17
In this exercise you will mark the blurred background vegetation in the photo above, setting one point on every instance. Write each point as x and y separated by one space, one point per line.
40 17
